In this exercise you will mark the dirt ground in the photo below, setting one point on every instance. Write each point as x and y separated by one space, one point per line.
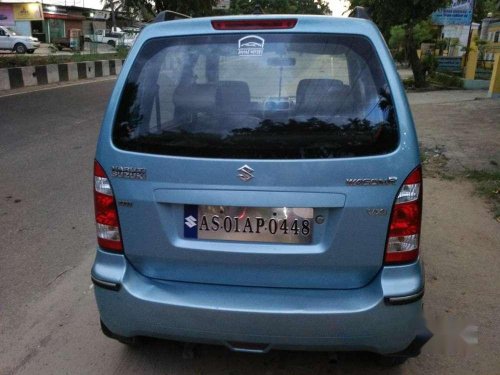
61 335
57 331
463 125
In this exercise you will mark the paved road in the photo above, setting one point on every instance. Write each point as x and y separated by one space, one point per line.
48 318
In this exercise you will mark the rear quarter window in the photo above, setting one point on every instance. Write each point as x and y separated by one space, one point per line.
295 96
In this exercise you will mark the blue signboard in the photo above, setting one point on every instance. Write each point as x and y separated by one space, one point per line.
458 13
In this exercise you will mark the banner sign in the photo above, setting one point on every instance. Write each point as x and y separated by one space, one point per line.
101 15
6 15
28 12
458 13
222 5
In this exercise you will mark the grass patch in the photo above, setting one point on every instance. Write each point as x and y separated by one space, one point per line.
26 60
488 186
445 80
434 162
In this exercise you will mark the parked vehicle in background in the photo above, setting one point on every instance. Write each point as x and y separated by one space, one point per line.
257 184
10 41
65 43
130 36
113 38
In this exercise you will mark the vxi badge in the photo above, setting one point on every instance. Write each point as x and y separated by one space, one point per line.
371 181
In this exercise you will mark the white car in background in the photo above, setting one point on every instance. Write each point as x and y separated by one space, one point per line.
130 36
112 38
10 41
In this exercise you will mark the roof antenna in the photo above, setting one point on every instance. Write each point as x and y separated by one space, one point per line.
258 9
360 12
169 15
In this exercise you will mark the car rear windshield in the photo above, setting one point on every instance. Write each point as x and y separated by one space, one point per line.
257 96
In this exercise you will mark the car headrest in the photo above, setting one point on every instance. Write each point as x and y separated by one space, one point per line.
232 96
195 97
318 96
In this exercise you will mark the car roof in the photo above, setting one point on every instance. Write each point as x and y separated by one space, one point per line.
305 24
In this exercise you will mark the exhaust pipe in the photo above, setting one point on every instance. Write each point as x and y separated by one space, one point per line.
248 347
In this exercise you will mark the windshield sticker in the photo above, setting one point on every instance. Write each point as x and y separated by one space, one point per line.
251 45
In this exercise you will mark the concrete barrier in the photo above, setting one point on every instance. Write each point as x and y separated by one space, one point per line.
13 78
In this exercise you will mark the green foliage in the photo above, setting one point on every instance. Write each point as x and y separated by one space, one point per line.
424 32
488 186
52 59
407 13
400 56
446 80
429 63
483 7
388 13
483 47
197 8
194 8
409 83
281 6
11 61
397 37
122 51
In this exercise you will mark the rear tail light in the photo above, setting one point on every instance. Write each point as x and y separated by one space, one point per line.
106 215
257 24
404 228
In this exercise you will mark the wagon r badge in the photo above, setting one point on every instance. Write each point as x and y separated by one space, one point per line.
371 181
246 173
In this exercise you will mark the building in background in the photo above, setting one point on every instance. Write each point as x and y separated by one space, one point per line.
456 22
490 31
19 16
49 22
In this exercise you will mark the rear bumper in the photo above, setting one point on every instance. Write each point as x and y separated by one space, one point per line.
277 318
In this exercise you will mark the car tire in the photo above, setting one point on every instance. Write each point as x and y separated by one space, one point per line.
391 361
129 341
20 48
31 51
112 43
87 40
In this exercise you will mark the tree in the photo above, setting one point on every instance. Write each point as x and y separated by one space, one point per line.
132 8
193 8
281 6
424 32
408 13
483 7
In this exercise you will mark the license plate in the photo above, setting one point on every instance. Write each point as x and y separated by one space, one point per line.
249 224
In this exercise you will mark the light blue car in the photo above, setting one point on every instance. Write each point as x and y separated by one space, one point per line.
224 219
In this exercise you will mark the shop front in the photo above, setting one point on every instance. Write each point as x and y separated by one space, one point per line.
59 22
20 16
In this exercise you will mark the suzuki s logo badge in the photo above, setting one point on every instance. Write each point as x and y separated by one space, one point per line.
245 173
190 221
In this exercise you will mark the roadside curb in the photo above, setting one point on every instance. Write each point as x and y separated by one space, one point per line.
15 78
